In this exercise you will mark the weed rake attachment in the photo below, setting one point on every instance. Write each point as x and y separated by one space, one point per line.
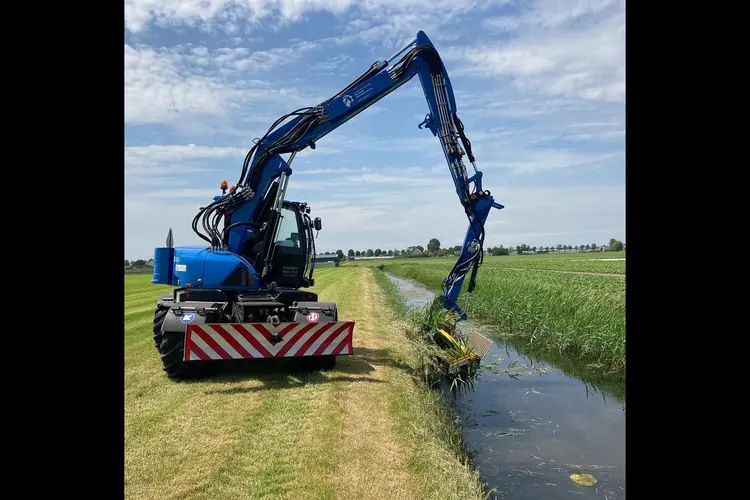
466 350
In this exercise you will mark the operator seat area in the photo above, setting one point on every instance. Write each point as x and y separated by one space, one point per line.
289 256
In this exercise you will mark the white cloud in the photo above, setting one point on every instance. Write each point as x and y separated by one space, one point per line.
554 13
501 23
165 86
144 159
333 63
536 216
544 160
166 13
319 171
369 207
356 25
241 60
540 97
159 153
155 91
547 55
147 222
157 166
602 135
387 23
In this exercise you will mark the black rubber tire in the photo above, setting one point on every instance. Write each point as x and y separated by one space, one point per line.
308 364
159 316
319 363
172 350
327 362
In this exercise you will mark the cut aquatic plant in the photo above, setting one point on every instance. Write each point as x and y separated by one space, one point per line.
444 354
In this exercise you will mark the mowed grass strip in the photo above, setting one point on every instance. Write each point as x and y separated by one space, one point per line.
347 433
582 316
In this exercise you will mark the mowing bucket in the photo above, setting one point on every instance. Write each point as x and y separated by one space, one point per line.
478 346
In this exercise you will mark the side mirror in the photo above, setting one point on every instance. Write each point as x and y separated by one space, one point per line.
317 224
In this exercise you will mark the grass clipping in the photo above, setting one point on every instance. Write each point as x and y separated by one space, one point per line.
583 479
435 352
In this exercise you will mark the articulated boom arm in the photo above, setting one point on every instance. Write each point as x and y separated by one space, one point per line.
263 181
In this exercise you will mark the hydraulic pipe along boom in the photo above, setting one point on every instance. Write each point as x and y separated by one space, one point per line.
264 171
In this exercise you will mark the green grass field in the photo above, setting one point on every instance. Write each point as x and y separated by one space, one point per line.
593 262
142 270
364 430
556 302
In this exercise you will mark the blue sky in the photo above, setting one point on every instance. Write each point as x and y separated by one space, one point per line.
540 88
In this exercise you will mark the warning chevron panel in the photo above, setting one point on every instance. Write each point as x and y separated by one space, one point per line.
218 341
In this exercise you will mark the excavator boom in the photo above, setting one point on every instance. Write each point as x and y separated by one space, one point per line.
265 173
244 296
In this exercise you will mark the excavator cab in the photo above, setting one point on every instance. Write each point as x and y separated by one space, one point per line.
293 250
291 253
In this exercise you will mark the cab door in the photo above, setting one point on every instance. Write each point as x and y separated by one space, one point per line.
289 256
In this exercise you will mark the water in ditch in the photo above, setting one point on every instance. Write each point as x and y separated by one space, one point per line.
531 423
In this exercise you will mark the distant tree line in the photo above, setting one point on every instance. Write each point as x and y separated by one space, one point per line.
138 264
434 249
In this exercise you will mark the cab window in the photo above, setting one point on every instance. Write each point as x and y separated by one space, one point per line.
288 235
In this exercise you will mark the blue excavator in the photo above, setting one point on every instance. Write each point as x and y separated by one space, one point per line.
243 295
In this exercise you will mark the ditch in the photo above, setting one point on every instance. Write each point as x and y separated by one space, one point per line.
532 421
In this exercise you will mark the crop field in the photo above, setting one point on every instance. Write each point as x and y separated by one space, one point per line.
364 430
594 262
575 312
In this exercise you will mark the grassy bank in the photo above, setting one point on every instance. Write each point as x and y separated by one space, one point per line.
581 316
364 430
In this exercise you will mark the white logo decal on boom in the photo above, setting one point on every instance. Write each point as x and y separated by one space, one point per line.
348 100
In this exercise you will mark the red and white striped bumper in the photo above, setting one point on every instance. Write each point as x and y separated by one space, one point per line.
218 341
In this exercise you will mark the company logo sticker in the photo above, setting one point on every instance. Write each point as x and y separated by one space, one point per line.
313 317
187 317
